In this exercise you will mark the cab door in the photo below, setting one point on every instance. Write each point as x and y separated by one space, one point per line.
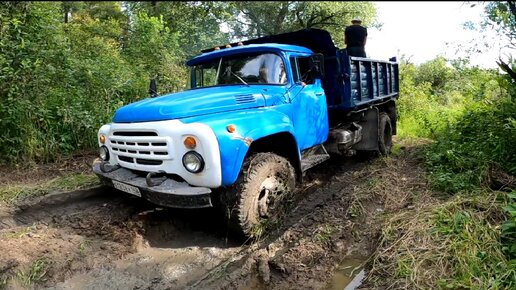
309 108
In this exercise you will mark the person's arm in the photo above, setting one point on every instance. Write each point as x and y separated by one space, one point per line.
346 36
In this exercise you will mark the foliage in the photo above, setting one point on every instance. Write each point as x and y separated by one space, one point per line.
65 67
196 24
151 49
436 93
508 237
481 140
61 81
255 19
470 113
501 16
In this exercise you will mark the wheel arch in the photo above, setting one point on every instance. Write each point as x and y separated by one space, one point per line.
283 144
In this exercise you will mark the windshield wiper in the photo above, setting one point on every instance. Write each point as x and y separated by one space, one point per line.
228 69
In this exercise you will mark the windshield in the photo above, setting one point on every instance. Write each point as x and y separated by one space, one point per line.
248 69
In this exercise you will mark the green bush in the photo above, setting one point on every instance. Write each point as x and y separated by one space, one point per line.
482 140
60 82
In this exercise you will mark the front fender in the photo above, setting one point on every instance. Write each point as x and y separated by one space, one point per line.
250 126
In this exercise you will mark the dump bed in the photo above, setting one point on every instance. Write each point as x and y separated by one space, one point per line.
363 81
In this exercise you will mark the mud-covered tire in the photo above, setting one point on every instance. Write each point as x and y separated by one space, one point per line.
259 196
384 134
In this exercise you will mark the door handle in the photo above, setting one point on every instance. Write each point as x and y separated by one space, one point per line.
319 94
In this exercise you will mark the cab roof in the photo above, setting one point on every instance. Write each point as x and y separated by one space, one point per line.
265 47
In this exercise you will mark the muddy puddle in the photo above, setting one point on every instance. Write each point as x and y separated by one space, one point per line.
348 275
152 268
174 248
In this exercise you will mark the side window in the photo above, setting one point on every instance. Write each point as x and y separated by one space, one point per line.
304 70
205 76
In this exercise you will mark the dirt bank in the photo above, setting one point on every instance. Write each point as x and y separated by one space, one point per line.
102 238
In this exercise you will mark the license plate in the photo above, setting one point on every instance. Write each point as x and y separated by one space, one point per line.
127 188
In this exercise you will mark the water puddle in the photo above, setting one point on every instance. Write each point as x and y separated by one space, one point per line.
348 275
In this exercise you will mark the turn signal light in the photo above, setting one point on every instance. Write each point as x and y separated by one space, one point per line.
190 142
231 128
102 139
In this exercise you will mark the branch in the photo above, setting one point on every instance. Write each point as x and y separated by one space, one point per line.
256 21
512 7
299 18
323 20
505 67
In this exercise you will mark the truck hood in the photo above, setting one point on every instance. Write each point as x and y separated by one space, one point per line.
191 103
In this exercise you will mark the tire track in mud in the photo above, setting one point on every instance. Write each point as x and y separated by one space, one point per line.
102 238
280 260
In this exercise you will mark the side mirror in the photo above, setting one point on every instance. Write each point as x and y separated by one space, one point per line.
316 63
153 88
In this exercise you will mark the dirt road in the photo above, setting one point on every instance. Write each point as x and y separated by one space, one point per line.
105 239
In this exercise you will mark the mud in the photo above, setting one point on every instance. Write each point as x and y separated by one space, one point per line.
105 239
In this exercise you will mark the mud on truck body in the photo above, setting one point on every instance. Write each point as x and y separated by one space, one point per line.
257 116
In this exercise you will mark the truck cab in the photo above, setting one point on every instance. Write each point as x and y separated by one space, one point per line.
257 115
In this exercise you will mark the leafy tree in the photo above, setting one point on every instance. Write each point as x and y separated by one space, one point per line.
436 72
197 23
155 53
256 19
502 16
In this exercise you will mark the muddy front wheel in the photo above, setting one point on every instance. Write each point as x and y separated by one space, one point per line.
259 197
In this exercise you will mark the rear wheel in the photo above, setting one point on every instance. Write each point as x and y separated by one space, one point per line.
385 134
258 199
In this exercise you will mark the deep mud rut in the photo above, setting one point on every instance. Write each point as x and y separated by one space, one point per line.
105 239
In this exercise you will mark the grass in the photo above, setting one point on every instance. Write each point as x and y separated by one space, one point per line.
323 233
431 240
452 243
83 246
35 274
12 193
22 233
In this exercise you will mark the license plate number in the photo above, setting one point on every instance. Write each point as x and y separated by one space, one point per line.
127 188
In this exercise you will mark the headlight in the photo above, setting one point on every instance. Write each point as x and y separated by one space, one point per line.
193 162
104 153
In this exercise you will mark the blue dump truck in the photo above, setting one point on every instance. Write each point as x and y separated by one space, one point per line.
258 114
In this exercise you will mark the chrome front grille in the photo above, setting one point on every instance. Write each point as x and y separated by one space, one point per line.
140 147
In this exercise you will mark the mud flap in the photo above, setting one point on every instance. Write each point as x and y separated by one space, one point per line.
370 125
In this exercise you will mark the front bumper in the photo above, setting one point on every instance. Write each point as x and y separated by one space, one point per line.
169 193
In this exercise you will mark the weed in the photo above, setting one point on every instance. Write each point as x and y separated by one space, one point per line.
355 209
35 274
82 247
509 228
323 234
372 182
259 230
396 150
22 233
